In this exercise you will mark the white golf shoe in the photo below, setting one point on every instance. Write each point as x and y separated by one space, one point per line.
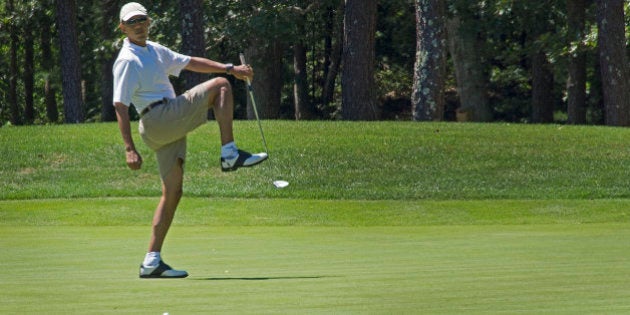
242 159
161 271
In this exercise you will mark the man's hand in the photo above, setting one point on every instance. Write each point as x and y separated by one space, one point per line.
243 72
134 160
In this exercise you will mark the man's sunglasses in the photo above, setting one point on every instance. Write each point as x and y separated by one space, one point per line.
136 20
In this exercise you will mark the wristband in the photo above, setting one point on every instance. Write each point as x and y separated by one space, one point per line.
228 68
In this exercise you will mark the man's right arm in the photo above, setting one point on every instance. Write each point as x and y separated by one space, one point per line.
134 160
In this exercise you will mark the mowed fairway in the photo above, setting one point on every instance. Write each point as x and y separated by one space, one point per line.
471 269
403 219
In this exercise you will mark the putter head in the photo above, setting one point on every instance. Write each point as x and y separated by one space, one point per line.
280 183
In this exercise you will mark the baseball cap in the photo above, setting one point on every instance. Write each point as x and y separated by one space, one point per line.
130 10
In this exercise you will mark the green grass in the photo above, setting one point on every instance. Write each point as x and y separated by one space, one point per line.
382 217
333 160
259 270
304 212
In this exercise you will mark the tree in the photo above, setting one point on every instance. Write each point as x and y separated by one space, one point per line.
109 10
29 63
466 47
576 80
515 61
614 61
193 41
538 41
430 68
16 118
47 62
333 50
542 87
267 61
74 111
268 27
358 86
302 103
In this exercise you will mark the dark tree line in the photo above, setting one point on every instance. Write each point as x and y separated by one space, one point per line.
562 61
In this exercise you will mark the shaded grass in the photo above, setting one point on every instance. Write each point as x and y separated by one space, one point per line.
333 160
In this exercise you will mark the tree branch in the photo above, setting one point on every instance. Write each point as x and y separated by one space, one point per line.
300 11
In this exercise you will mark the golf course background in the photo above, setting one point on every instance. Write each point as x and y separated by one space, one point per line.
379 217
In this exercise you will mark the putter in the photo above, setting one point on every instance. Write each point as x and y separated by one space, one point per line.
250 90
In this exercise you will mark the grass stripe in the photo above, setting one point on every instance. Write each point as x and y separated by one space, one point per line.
246 270
292 212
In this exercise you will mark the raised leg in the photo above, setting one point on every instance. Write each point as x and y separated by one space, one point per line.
222 102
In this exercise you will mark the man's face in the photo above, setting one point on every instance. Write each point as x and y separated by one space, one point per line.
137 29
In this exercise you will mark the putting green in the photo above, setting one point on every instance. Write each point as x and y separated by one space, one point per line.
440 269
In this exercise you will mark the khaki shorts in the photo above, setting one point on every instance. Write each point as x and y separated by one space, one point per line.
164 128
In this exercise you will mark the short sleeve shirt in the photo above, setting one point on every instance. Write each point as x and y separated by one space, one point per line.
141 74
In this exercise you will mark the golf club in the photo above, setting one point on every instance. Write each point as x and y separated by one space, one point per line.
250 90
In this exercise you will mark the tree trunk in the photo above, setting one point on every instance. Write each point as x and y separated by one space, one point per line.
358 86
47 62
614 61
109 9
576 81
267 63
193 43
74 111
303 108
336 50
469 73
596 92
542 88
430 68
303 105
29 72
16 117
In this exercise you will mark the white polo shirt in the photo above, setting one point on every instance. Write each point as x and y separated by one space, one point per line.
141 73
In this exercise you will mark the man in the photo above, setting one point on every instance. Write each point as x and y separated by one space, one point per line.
141 78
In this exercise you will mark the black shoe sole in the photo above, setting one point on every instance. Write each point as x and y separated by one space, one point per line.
157 273
161 277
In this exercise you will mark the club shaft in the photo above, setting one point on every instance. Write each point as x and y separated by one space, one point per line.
250 91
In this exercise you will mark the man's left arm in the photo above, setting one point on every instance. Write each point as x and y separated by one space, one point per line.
203 65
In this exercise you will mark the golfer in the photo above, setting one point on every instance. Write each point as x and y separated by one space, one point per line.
141 78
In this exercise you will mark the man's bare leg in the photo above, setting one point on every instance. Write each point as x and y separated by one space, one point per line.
222 102
165 211
153 266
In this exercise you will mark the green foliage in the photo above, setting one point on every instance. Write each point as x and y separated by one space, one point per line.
393 79
395 52
510 29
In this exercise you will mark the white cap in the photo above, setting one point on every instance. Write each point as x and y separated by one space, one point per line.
130 10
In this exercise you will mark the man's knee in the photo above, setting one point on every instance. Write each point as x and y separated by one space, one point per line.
177 193
173 191
172 184
220 83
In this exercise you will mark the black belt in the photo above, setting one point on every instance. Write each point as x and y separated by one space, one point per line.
150 107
